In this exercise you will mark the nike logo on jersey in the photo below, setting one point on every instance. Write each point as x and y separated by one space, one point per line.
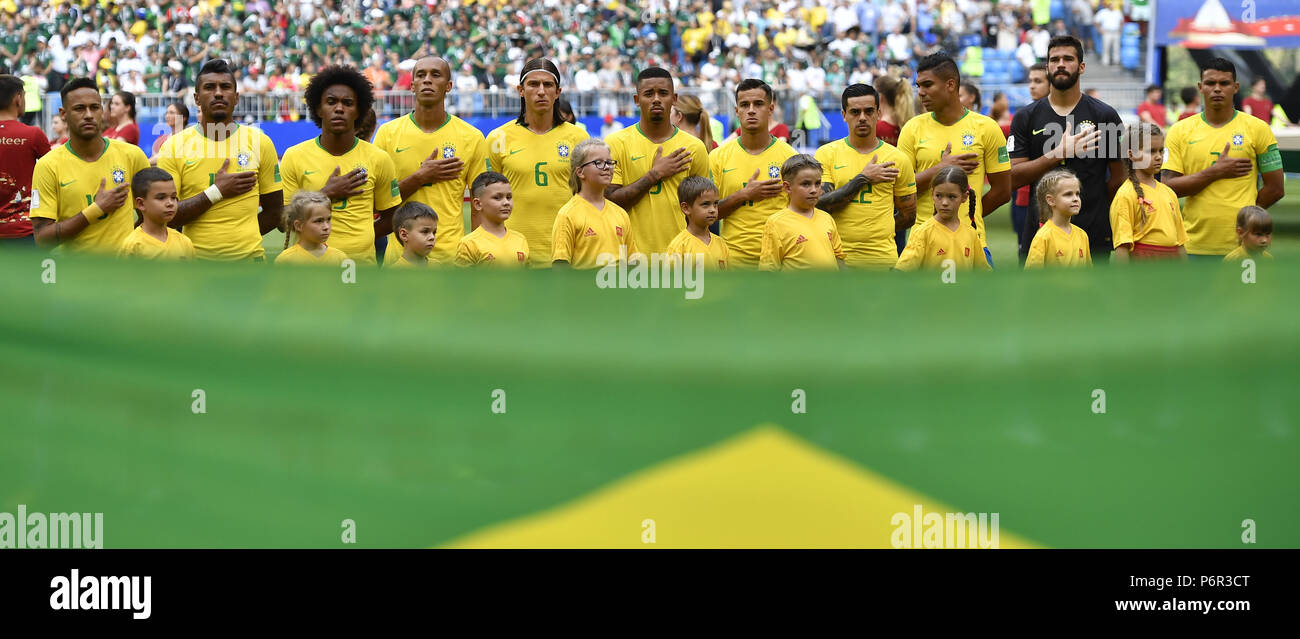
1039 131
308 172
402 148
191 162
637 157
923 140
1191 142
840 166
63 184
589 233
727 170
515 151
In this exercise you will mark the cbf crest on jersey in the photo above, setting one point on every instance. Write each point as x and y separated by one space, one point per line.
967 139
563 150
1238 139
773 171
242 159
119 175
448 150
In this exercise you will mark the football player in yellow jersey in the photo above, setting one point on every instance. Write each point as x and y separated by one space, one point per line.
1215 160
492 244
156 201
948 238
950 135
437 155
868 186
801 237
652 159
747 171
81 190
699 201
358 177
533 152
225 174
591 231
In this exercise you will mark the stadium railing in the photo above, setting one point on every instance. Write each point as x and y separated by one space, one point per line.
498 103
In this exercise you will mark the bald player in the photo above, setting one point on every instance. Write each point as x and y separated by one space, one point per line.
653 158
436 155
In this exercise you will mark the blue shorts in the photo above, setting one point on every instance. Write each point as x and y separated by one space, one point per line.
988 255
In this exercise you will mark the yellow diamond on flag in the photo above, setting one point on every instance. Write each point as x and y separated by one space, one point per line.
762 489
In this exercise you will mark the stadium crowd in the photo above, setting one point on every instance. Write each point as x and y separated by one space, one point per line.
818 46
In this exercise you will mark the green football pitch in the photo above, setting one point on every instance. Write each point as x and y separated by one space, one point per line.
371 401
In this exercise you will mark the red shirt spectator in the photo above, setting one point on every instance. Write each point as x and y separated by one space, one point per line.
1187 114
20 147
1156 112
404 80
1261 108
887 132
128 132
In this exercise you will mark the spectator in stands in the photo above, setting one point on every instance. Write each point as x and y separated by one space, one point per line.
254 83
895 107
1081 11
177 117
689 115
1191 99
58 130
1257 103
1151 110
121 119
1110 21
1000 112
969 94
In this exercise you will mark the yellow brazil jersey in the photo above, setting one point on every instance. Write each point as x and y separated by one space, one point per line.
307 167
866 223
63 185
1164 221
582 233
481 248
402 263
296 254
229 229
408 147
732 167
1053 247
1238 254
932 243
656 217
923 139
715 252
142 245
791 240
1192 145
538 169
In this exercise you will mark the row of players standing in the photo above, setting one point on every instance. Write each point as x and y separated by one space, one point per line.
231 192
